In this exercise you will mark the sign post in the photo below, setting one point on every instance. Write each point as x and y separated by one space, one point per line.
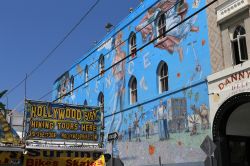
111 138
208 147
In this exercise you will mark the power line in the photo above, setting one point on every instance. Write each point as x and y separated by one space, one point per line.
114 47
55 48
145 45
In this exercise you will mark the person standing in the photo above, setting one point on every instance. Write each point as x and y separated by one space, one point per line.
161 123
147 130
137 129
118 71
129 132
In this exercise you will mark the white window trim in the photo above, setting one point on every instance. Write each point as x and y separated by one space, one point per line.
86 75
133 92
101 65
160 28
160 78
132 47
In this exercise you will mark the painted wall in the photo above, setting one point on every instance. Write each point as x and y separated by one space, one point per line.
172 124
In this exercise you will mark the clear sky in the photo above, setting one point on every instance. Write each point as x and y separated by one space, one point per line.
30 29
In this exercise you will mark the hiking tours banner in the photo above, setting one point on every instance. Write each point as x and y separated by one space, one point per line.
60 122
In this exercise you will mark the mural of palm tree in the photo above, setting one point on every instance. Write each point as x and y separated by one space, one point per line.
194 121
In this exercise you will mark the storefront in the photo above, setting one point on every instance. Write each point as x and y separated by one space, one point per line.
229 96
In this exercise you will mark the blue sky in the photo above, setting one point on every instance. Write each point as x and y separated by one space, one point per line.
30 29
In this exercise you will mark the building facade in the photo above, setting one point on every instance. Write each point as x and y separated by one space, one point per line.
149 74
229 86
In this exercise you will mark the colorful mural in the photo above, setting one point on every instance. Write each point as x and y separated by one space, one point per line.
158 124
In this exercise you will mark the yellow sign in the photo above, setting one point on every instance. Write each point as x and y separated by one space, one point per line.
62 122
99 162
63 158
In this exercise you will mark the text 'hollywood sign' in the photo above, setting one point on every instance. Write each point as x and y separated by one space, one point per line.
60 121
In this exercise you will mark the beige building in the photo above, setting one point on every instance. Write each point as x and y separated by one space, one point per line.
229 85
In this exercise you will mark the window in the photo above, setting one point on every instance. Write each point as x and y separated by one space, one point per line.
101 65
162 26
101 100
86 73
162 73
239 45
71 84
85 103
132 45
133 90
101 104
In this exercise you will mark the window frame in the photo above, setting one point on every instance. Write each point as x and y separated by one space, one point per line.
132 45
161 26
101 100
72 84
86 74
163 84
237 40
133 94
101 65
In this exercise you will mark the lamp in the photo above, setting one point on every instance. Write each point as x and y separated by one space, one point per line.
131 10
108 26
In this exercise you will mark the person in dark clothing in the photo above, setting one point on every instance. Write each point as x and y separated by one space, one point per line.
147 130
129 133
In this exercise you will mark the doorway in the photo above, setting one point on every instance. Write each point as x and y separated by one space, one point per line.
231 131
239 150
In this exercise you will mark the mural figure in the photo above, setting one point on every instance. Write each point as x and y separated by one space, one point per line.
196 3
118 72
171 41
129 132
203 113
194 121
136 127
162 122
174 14
198 69
146 25
147 130
71 85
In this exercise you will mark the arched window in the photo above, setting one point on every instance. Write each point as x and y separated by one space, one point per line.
59 90
71 84
85 103
101 105
239 45
133 90
86 72
162 73
101 65
132 45
162 26
101 99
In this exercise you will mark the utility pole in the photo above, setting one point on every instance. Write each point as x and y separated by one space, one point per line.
25 97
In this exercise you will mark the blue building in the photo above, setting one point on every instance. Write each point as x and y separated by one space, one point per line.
149 75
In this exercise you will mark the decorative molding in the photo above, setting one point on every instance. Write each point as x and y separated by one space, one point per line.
230 8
